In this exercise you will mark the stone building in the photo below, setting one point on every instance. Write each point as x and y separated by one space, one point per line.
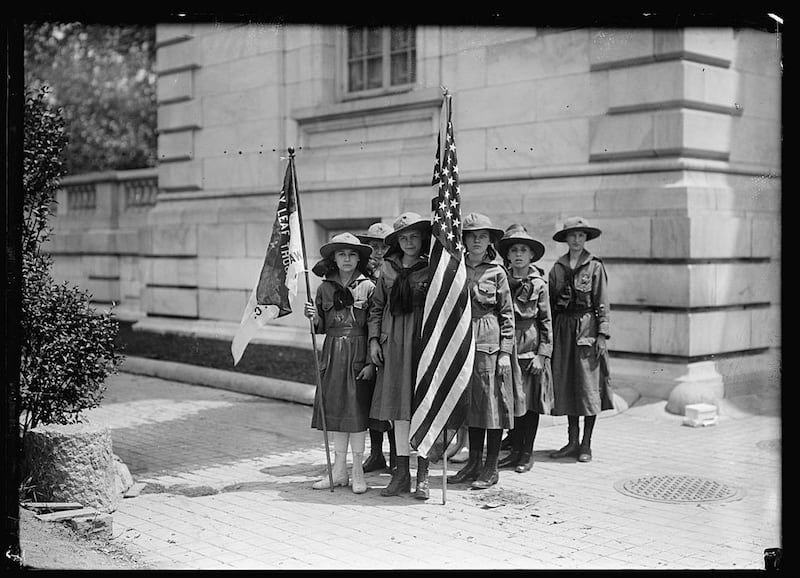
669 140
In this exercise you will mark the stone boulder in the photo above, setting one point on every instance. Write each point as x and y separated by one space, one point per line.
75 463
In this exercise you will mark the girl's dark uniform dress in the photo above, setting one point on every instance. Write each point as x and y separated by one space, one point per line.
395 319
533 331
579 300
343 315
491 395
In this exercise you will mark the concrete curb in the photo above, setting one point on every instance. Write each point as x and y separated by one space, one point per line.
292 391
230 380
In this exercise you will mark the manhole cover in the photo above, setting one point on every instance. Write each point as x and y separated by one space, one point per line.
678 489
769 445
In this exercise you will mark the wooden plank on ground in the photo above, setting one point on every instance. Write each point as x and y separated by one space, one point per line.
51 505
67 514
134 490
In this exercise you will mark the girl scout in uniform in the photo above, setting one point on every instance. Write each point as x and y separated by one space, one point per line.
340 312
579 303
395 318
533 331
375 237
490 389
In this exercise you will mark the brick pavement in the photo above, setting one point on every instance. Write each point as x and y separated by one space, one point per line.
229 479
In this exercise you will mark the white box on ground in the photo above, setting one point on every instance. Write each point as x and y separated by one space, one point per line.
700 414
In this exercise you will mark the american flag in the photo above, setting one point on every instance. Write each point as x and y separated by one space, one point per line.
447 348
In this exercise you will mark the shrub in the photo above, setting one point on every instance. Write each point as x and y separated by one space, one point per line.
67 348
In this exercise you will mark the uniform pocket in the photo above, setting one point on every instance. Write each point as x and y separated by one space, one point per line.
487 348
486 293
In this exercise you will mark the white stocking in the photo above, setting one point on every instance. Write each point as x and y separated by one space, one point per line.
401 432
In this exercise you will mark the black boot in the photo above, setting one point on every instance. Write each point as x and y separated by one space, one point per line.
585 450
489 475
392 451
472 468
511 460
375 461
422 491
508 441
401 479
529 426
571 449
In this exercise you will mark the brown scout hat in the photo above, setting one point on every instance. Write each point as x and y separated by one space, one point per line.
477 221
577 224
517 233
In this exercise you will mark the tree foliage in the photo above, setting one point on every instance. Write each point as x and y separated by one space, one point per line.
102 77
67 348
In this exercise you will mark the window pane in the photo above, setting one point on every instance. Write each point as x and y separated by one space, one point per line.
355 76
374 73
374 41
399 68
401 38
355 42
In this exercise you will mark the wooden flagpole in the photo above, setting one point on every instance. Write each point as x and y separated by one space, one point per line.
311 320
442 140
444 465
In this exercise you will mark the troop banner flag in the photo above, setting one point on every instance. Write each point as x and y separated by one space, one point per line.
447 346
277 284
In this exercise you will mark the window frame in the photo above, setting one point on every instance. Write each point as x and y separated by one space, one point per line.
386 88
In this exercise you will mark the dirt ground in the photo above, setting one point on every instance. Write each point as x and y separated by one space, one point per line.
55 546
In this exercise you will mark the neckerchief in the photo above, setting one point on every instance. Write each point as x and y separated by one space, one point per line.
402 297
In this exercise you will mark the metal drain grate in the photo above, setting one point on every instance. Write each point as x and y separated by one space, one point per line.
678 489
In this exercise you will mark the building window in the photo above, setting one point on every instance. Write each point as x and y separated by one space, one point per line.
380 59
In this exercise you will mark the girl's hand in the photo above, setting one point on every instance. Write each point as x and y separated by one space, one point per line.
376 352
503 360
367 372
600 346
310 311
536 366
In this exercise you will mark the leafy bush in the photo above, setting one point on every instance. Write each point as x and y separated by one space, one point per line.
68 349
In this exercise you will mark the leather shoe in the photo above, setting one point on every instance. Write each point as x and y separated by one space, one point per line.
509 461
486 480
375 462
585 455
524 464
569 450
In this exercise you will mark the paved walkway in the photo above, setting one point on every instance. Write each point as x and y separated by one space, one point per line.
229 487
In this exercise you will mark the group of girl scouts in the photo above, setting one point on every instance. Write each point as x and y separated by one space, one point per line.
540 347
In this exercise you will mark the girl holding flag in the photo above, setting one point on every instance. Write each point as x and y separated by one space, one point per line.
340 312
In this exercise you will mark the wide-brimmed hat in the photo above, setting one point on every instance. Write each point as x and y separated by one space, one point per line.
517 233
344 241
477 221
577 224
405 222
376 232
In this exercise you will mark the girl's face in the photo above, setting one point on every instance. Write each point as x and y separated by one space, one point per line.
576 240
379 249
410 242
519 255
477 242
346 259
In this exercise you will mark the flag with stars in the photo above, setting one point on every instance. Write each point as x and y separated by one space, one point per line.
447 348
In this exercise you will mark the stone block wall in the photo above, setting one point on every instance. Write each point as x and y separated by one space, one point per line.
668 140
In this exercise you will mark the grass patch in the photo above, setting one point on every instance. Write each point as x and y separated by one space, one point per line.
290 363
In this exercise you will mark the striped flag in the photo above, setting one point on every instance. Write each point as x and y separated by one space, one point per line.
447 349
277 284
